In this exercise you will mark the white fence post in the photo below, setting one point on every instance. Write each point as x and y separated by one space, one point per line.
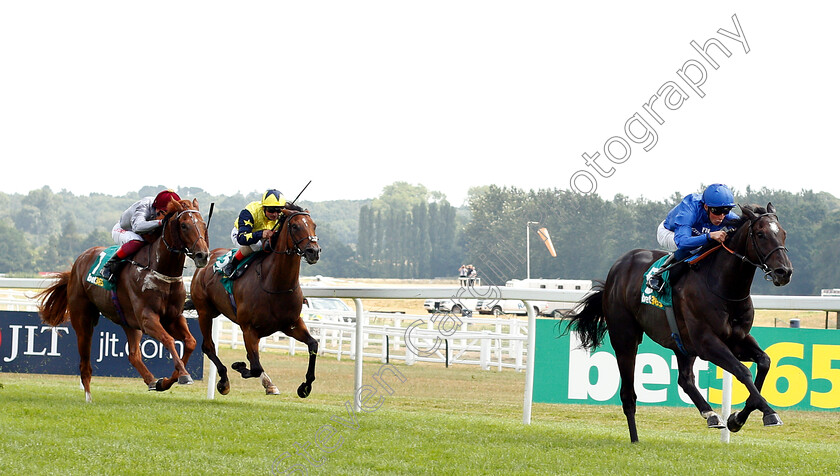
726 405
485 351
360 312
529 368
211 371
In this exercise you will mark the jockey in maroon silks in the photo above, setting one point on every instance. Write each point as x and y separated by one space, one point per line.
144 216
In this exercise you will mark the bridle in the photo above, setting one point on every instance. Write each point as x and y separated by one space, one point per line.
762 260
295 249
187 250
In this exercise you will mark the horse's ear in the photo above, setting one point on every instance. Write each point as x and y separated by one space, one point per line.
770 208
173 206
195 203
748 211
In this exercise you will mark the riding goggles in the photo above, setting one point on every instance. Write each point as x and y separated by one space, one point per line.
273 209
719 210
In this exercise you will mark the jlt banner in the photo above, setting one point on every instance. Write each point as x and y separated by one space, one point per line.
29 346
804 374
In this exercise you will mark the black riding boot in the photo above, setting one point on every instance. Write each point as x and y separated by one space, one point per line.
111 269
230 270
655 280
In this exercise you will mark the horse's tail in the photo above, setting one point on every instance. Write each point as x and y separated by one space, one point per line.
53 307
587 318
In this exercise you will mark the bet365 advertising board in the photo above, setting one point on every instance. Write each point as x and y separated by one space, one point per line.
804 373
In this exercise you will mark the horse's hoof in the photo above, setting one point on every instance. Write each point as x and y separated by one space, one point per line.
714 421
772 419
272 390
185 380
733 424
304 390
223 387
159 385
242 369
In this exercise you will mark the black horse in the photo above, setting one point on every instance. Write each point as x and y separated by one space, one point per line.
713 310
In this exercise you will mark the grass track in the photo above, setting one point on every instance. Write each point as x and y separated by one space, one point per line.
459 420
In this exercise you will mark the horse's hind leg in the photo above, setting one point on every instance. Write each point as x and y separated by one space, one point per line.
134 337
625 337
84 318
301 333
685 379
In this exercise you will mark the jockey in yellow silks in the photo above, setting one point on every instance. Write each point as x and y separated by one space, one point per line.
253 227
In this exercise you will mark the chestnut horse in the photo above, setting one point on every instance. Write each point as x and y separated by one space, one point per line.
267 299
713 311
149 295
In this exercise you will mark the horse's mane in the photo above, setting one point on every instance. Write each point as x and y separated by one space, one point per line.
175 206
735 226
293 207
756 209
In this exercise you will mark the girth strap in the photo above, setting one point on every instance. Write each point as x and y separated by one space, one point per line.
675 332
120 312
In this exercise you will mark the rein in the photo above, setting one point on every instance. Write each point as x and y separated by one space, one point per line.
762 260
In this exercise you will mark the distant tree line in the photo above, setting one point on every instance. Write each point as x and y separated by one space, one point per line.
411 232
590 234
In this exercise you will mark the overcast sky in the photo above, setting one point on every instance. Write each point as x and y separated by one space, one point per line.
355 95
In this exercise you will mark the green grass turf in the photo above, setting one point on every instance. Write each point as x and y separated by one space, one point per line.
459 420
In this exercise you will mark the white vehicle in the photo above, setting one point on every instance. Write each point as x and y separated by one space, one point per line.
497 307
457 307
320 308
549 308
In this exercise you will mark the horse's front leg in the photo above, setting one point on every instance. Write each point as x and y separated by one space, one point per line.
153 327
749 350
134 337
252 347
179 330
208 346
716 352
300 332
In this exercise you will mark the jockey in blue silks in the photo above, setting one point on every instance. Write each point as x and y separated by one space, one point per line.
696 221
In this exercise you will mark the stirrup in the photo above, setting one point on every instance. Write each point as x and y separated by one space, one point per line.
656 283
233 273
111 270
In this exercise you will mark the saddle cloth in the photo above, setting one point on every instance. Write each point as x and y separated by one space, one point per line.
94 274
651 297
224 259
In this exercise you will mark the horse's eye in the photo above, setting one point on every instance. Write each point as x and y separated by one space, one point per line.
760 235
183 226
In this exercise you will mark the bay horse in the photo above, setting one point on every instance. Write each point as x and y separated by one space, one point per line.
150 295
267 298
713 311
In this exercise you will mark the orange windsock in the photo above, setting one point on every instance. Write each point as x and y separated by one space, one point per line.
543 232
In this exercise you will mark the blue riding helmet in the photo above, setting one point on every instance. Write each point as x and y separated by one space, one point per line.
718 195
